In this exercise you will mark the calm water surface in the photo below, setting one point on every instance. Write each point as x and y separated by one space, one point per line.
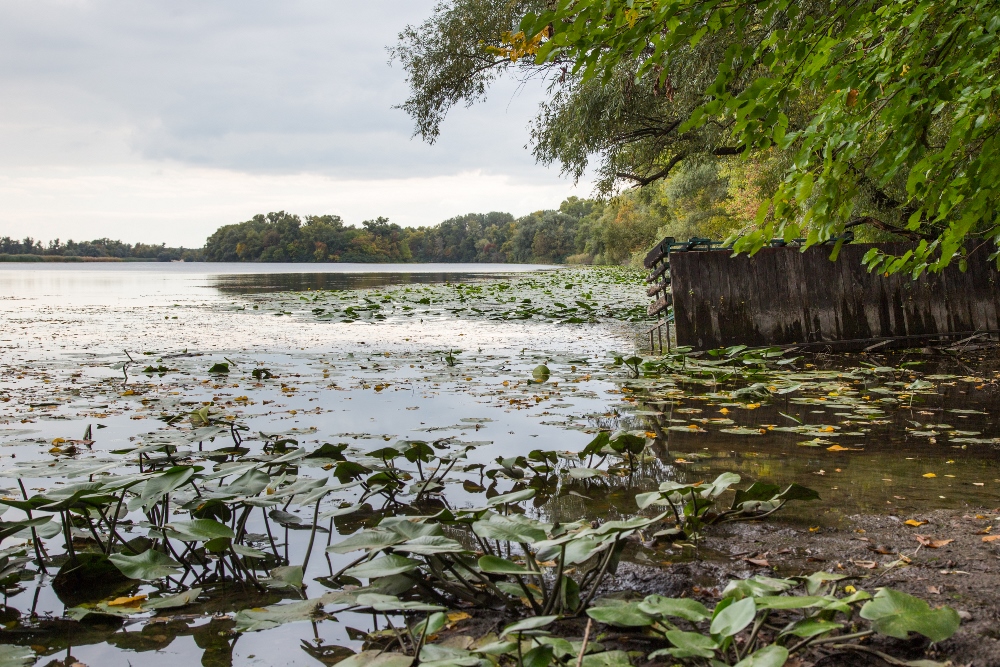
75 340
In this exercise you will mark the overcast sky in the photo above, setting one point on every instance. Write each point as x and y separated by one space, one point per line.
158 121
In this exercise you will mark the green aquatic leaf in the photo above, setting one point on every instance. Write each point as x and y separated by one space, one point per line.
811 627
496 565
16 656
284 576
625 615
172 601
533 623
586 473
383 566
265 618
686 608
769 656
896 614
515 497
540 656
689 645
221 367
382 602
733 617
159 486
147 566
541 373
606 659
377 659
199 530
507 530
430 544
368 540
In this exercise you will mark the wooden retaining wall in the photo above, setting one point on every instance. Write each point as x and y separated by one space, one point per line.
782 296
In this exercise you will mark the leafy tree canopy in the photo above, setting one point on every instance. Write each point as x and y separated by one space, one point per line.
881 113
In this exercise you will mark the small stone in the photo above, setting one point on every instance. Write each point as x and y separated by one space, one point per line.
964 615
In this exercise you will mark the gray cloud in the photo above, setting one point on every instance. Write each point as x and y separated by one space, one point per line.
254 86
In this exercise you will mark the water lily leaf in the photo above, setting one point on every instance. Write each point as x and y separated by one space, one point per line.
247 552
377 659
504 529
369 540
264 618
896 614
582 549
16 656
689 610
250 483
383 566
159 486
199 530
690 645
811 627
341 511
514 497
606 659
586 473
408 529
734 617
789 601
626 615
527 624
541 373
285 576
148 565
435 655
540 656
495 565
285 519
380 602
172 601
769 656
430 544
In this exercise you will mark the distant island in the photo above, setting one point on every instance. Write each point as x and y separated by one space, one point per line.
580 231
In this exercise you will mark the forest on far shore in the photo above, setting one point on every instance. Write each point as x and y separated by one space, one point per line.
700 200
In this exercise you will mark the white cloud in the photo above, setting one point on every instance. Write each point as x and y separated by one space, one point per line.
154 120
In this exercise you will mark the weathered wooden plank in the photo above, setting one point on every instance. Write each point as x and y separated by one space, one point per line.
660 270
786 296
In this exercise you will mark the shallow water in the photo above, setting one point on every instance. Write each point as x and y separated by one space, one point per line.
440 353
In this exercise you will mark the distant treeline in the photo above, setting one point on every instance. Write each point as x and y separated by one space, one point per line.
580 231
699 200
30 249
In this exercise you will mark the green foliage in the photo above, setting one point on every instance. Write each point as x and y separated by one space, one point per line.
887 110
774 621
30 249
281 237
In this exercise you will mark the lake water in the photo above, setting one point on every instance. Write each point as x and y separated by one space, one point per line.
364 356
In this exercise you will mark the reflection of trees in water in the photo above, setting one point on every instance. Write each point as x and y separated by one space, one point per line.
253 283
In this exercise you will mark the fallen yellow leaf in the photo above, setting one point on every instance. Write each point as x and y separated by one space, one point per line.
127 602
914 523
827 429
991 538
58 441
724 411
456 616
930 475
930 542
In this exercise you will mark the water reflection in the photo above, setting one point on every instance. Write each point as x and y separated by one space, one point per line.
257 283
